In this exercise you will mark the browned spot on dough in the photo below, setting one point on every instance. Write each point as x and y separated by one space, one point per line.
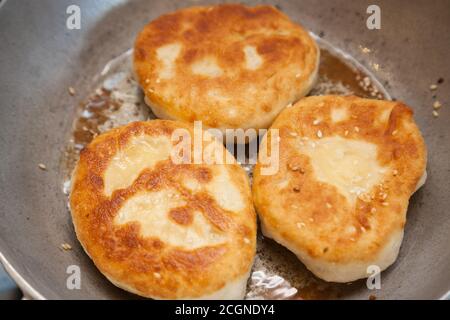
203 175
182 215
266 108
96 181
194 260
140 54
191 54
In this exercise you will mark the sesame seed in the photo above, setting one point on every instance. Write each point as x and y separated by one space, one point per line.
357 129
437 105
319 134
346 133
383 195
363 229
364 197
246 240
42 166
72 91
316 122
66 246
395 172
157 275
376 66
394 132
300 225
147 80
329 206
365 50
311 219
294 167
298 75
385 204
158 80
435 114
294 134
433 87
289 105
373 210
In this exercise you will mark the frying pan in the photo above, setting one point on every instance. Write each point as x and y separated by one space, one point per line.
40 58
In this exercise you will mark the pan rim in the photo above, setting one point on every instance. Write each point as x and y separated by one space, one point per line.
29 292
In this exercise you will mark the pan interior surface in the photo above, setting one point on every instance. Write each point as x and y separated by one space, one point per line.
42 59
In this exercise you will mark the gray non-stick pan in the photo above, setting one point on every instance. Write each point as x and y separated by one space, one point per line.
40 58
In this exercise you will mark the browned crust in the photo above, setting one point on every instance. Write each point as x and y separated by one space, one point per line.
127 258
400 146
223 31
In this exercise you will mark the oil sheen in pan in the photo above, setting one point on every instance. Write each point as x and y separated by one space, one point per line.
117 100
